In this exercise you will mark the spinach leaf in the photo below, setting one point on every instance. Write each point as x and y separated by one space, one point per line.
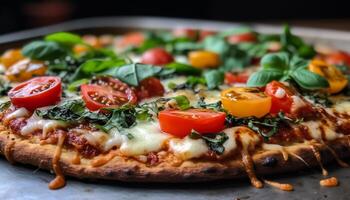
215 106
44 50
214 78
65 38
133 74
215 142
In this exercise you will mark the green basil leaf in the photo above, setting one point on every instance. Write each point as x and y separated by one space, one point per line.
182 101
95 66
132 74
122 117
263 77
181 68
308 80
278 61
235 31
298 62
76 84
214 78
65 38
5 105
217 45
44 50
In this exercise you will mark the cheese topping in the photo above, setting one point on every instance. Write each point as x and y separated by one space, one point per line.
188 148
343 107
35 123
314 129
21 112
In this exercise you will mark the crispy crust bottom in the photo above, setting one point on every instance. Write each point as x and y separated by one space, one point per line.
130 170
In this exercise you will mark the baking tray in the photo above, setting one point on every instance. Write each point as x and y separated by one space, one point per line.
27 182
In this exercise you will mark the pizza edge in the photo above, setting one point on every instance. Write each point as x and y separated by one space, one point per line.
18 150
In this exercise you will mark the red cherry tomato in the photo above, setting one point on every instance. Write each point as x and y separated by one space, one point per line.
37 92
338 58
156 56
149 87
205 33
186 32
181 123
231 78
244 37
131 39
281 97
107 92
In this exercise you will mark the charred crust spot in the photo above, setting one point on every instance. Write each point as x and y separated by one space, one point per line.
269 161
110 173
188 176
128 171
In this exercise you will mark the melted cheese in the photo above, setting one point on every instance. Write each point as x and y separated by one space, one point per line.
230 144
21 112
35 123
96 137
276 147
343 107
315 131
248 137
187 148
147 137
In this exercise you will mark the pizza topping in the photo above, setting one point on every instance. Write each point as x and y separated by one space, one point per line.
35 123
156 56
103 159
10 57
37 92
329 182
231 78
337 81
131 39
204 59
243 37
203 121
150 87
59 181
281 97
338 58
317 155
236 100
24 70
276 147
188 148
21 112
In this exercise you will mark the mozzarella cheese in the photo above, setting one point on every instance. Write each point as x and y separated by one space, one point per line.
343 107
188 148
21 112
35 123
315 131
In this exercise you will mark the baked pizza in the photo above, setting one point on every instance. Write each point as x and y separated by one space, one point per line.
175 106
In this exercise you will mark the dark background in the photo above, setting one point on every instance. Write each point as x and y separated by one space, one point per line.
18 15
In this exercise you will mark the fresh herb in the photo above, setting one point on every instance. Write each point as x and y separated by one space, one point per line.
5 105
181 68
214 78
44 50
215 142
4 87
215 106
182 102
73 87
65 38
120 118
319 98
266 127
278 66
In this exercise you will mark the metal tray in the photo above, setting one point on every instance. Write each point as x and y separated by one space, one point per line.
27 182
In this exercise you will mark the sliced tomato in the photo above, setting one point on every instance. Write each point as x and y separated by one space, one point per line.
231 78
338 58
245 102
149 87
186 32
281 97
107 92
181 123
156 56
37 92
205 33
131 39
244 37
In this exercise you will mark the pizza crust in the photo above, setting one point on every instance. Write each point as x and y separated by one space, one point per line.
130 170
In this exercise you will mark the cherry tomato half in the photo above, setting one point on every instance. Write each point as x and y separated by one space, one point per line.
244 37
181 123
231 78
281 97
131 39
37 92
149 87
156 56
186 33
107 92
338 58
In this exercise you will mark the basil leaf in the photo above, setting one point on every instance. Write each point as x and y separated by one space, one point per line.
65 38
122 117
297 62
44 50
278 61
95 66
182 101
235 31
181 68
217 45
76 84
214 78
132 74
5 105
263 77
5 86
215 142
308 80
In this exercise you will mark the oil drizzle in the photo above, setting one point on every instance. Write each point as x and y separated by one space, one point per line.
248 165
59 181
329 182
281 186
317 155
76 159
102 160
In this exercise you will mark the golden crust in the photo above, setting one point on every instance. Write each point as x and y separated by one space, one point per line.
123 169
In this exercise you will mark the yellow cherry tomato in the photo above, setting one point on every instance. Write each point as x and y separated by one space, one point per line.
10 57
204 59
245 102
24 70
337 81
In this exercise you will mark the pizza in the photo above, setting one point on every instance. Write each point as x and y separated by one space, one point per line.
182 105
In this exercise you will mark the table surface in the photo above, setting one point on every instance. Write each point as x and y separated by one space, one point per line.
25 182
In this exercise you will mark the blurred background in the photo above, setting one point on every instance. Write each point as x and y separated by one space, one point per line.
18 15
